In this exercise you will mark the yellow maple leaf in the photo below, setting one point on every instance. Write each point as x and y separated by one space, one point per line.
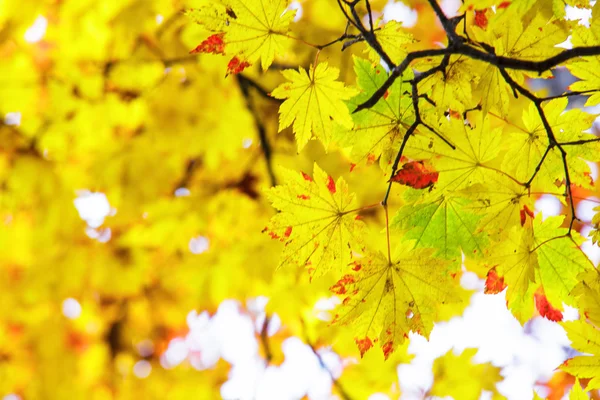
254 30
586 339
313 100
539 254
315 222
457 376
393 38
587 292
384 301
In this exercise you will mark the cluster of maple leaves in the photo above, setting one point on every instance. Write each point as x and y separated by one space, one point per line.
465 166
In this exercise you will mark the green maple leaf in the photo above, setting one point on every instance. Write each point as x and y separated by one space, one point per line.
443 222
538 254
377 131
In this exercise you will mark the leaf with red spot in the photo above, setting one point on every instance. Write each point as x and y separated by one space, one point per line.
379 130
494 283
523 213
235 66
251 31
213 44
416 175
317 221
539 253
385 301
480 19
363 345
331 185
546 309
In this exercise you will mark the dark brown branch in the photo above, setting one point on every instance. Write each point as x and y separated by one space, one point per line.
367 34
449 25
264 339
485 56
245 84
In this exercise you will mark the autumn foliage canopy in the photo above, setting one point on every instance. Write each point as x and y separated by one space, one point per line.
297 152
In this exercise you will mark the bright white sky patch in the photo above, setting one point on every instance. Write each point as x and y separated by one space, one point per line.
93 207
142 369
182 192
159 19
590 249
199 244
585 208
400 12
548 205
12 119
582 15
37 31
528 354
71 308
450 7
295 5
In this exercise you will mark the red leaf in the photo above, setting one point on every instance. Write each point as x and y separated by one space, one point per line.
288 231
481 19
363 345
331 185
494 283
236 66
213 44
416 175
546 309
504 4
303 197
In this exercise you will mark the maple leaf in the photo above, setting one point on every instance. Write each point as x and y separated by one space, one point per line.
586 339
442 222
394 39
416 175
313 100
471 162
577 392
587 292
540 254
511 37
528 145
250 30
452 88
379 130
500 202
383 301
459 377
315 222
